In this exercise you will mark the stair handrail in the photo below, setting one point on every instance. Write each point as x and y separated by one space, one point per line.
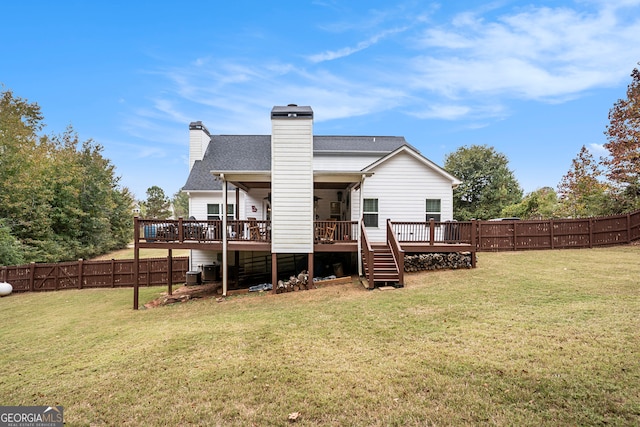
367 253
396 250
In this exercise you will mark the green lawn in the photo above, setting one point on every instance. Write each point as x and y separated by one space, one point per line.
128 253
528 338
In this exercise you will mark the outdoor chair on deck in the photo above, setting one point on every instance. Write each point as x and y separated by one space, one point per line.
329 233
254 230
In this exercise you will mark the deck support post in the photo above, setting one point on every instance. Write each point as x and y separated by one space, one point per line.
310 268
136 260
274 272
136 275
170 272
225 240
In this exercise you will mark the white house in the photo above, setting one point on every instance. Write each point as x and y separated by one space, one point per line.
294 192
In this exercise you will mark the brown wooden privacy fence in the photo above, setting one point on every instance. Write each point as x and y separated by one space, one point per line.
520 235
93 274
557 233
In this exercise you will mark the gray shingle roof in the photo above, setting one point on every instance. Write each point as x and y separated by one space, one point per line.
253 153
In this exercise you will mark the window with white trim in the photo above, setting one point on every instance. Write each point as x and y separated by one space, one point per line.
214 209
433 210
370 212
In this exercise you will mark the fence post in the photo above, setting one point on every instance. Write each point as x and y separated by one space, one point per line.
590 232
113 273
515 236
148 272
32 273
3 274
628 228
80 272
474 232
551 234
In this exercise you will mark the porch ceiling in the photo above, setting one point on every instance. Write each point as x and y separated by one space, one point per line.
321 179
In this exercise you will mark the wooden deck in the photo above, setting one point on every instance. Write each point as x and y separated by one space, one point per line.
330 236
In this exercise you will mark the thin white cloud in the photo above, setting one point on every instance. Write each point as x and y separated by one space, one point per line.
346 51
446 112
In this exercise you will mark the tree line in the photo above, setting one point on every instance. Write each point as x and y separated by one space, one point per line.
592 187
59 197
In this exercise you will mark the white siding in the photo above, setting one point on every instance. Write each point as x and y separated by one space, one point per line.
198 141
198 258
292 185
335 162
402 184
255 199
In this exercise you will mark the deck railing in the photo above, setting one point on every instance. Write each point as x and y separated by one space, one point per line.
396 250
367 255
336 231
434 232
210 231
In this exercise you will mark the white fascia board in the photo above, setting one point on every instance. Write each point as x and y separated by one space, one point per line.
339 176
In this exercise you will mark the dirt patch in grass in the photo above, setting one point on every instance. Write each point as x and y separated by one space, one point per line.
186 293
214 290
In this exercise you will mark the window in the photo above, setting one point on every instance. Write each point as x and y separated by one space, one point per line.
213 211
231 211
370 212
433 209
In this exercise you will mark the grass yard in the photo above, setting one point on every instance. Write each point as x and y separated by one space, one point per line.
128 253
540 338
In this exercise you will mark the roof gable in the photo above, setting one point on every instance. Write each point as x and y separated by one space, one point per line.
414 153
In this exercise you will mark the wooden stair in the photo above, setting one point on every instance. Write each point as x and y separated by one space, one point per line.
385 270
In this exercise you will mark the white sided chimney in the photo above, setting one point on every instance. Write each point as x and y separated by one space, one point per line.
292 179
199 138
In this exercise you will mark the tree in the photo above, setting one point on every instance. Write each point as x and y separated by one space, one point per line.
623 144
59 198
157 204
180 203
582 190
539 204
11 251
487 183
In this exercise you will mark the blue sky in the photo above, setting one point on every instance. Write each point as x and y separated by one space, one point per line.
534 79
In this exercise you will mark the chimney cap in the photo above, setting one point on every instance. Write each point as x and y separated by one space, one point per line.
292 111
199 126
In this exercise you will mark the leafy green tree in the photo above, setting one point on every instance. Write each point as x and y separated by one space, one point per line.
623 144
11 251
180 203
157 205
539 204
583 192
488 185
59 198
24 196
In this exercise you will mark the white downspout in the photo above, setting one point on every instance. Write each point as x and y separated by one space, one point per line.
225 273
